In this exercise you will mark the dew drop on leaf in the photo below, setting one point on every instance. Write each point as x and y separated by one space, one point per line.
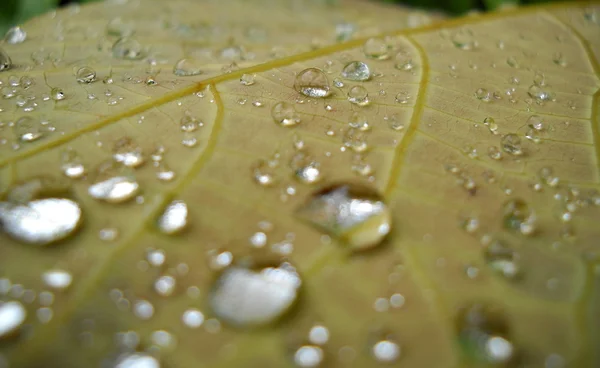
192 318
5 62
404 61
386 351
137 360
12 316
356 71
71 164
256 296
376 48
86 75
57 94
187 67
403 97
463 39
306 169
174 218
247 79
165 285
15 35
28 129
519 216
118 27
308 356
502 260
353 213
482 94
127 152
359 121
41 221
284 114
539 93
312 82
511 144
57 279
358 95
127 48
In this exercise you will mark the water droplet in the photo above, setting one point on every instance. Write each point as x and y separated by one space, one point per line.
28 129
263 173
254 296
164 172
187 67
137 360
559 59
548 177
482 94
358 95
512 62
386 351
71 164
15 35
356 71
312 82
484 331
41 221
12 316
127 152
403 97
308 356
165 285
113 184
494 153
344 31
284 114
355 214
318 335
57 279
539 93
247 79
128 49
394 122
491 124
519 216
5 62
192 318
174 218
306 169
502 259
355 140
463 39
57 94
118 27
404 61
535 122
85 75
376 48
511 143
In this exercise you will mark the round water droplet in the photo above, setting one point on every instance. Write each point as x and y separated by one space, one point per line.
264 174
403 97
143 309
519 216
482 94
394 122
127 152
318 335
165 285
27 129
15 35
71 164
312 82
359 121
192 318
187 67
57 279
86 75
535 122
511 144
128 49
254 296
352 213
358 95
12 316
376 48
539 93
57 94
305 168
308 356
285 114
137 360
113 184
502 259
41 221
247 79
356 71
494 153
404 61
463 39
174 218
386 351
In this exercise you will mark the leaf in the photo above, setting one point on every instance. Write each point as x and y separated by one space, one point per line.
468 275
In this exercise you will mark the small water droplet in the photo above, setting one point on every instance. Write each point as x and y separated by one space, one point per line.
494 153
128 49
356 71
120 28
548 177
355 214
394 122
502 259
71 164
483 94
165 285
376 48
318 335
137 360
559 59
127 152
57 279
12 316
308 356
247 79
15 35
164 172
512 62
519 216
113 184
463 39
539 93
192 318
5 62
254 296
284 114
85 75
312 82
174 218
57 94
305 168
511 144
386 351
403 97
358 95
187 67
404 61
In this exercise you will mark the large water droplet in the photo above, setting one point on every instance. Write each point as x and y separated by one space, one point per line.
187 67
5 62
28 129
40 221
312 82
113 183
539 93
15 35
353 213
85 75
356 71
128 49
254 296
284 114
12 316
358 95
174 218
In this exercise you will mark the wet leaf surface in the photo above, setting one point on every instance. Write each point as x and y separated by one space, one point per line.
363 184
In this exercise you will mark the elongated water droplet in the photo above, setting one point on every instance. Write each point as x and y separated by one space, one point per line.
254 296
137 360
352 213
28 129
57 279
41 221
127 152
284 114
128 49
12 316
15 35
86 75
71 164
312 82
5 62
187 67
358 95
356 71
511 144
539 93
308 356
376 48
113 183
174 218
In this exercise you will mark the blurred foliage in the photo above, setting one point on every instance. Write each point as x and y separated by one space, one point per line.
14 12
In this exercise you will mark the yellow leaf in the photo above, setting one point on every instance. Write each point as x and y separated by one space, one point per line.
201 184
